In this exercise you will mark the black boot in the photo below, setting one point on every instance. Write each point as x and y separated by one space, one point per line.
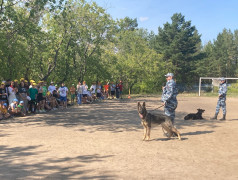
215 116
223 118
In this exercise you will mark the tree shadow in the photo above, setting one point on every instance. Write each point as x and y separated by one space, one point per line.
14 166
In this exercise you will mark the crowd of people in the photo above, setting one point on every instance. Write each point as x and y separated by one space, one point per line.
20 98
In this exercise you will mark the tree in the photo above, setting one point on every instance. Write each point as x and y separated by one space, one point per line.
180 44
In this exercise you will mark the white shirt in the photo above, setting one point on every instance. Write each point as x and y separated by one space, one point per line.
51 88
93 88
85 89
63 91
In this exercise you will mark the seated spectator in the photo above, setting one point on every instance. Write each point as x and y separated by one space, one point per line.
14 110
4 114
21 109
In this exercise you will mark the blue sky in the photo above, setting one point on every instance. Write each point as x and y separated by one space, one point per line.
209 16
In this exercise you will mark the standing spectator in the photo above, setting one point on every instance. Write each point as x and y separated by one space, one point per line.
33 95
169 95
51 87
106 89
26 84
40 98
85 89
72 93
3 94
79 93
23 95
221 103
12 92
121 88
117 91
113 89
63 90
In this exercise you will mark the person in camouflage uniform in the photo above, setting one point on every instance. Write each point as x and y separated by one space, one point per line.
221 103
169 95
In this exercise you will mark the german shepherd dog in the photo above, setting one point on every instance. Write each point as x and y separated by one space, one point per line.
147 119
195 116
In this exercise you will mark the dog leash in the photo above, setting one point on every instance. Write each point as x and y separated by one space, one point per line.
158 107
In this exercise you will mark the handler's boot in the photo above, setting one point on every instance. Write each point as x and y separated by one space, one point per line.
215 116
223 118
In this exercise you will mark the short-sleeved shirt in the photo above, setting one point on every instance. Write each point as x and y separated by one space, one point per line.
22 90
3 91
33 92
44 90
63 91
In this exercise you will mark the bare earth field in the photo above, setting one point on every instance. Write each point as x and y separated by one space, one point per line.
104 141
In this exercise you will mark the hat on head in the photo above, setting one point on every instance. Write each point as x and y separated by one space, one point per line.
51 82
22 79
34 84
26 81
3 83
5 104
222 79
21 102
169 74
31 81
15 100
15 80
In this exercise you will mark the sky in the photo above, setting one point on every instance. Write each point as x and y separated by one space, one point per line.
209 17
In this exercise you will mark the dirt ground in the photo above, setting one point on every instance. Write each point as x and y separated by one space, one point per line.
104 141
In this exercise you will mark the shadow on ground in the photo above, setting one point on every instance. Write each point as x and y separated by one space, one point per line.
11 169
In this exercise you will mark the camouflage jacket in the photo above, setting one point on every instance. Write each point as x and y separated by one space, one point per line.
170 92
222 90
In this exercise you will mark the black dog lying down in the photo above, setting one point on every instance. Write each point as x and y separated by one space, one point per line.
147 119
195 116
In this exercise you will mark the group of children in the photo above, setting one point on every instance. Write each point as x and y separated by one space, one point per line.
20 99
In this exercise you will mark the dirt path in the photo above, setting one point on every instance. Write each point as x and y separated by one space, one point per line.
104 141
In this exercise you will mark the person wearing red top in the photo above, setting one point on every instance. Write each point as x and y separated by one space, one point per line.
106 89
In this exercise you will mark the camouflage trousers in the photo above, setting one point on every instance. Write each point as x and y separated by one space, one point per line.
221 103
169 110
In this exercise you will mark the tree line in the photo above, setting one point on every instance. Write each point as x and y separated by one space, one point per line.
76 40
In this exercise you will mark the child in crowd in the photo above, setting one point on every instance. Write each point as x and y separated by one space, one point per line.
4 114
63 90
72 93
20 108
14 110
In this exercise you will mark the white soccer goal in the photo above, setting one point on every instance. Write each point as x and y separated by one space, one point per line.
215 82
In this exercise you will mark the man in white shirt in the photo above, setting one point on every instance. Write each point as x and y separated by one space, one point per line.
51 87
63 91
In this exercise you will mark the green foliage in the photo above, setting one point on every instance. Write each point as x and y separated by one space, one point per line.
76 40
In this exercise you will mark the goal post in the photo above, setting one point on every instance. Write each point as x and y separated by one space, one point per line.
215 82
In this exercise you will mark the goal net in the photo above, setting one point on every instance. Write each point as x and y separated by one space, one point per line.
211 82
